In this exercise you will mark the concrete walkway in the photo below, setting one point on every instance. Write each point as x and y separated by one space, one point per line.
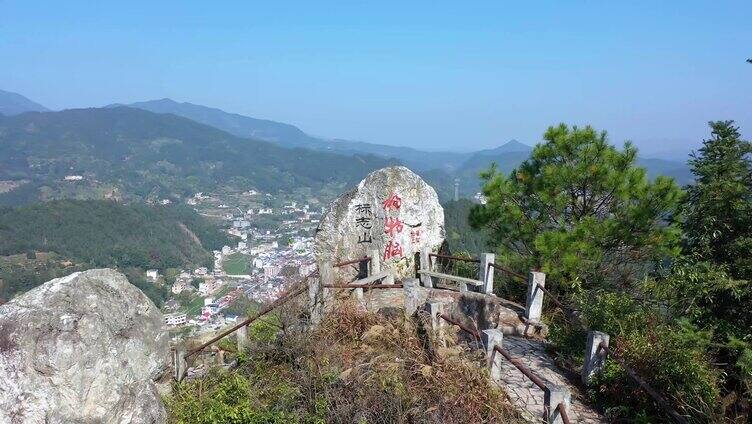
526 395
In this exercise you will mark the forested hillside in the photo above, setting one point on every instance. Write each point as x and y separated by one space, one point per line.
459 234
104 233
52 239
132 153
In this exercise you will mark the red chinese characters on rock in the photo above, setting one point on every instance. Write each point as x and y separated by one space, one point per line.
392 226
392 203
415 236
393 249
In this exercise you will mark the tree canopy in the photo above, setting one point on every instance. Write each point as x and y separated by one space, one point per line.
580 210
718 211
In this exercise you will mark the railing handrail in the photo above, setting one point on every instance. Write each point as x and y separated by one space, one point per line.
352 262
263 311
527 372
663 403
507 271
454 258
363 286
563 412
462 327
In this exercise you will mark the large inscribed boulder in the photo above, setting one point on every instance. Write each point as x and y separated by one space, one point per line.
84 348
392 212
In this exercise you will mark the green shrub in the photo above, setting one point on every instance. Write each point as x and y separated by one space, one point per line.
671 357
221 397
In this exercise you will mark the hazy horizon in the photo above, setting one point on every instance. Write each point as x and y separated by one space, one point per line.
449 78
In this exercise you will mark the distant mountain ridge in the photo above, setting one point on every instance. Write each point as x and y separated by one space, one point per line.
292 136
14 104
141 154
441 168
233 123
511 146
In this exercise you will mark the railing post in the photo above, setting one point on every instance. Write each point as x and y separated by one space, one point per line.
462 286
317 293
595 357
486 272
437 322
534 303
410 287
181 365
375 267
492 338
425 264
358 294
326 271
553 395
242 335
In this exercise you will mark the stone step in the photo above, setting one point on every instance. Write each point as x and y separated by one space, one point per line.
526 395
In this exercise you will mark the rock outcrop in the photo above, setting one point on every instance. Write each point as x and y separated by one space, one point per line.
84 348
392 211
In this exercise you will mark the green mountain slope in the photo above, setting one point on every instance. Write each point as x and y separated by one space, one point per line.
233 123
291 136
80 234
138 153
105 233
13 104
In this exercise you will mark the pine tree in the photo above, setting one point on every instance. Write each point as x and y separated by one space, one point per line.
718 223
580 210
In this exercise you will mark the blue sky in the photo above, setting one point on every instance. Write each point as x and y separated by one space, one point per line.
454 75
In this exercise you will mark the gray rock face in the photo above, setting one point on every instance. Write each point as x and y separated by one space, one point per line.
392 211
85 348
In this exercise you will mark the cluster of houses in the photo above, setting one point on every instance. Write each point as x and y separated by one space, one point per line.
278 256
210 281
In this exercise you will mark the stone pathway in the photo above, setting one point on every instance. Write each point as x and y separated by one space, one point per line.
526 395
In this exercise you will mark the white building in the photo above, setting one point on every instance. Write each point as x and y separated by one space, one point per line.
152 274
242 245
271 271
175 319
179 285
74 177
209 286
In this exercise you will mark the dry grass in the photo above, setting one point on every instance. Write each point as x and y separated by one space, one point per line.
358 367
366 369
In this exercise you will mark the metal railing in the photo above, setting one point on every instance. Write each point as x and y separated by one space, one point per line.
363 286
642 383
527 372
263 311
571 316
508 271
352 262
453 258
563 412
